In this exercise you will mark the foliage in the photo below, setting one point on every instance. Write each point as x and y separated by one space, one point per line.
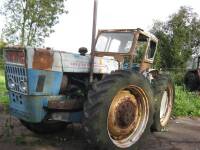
30 21
177 76
2 45
186 103
179 37
3 90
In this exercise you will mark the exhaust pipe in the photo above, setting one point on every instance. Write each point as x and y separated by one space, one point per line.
93 40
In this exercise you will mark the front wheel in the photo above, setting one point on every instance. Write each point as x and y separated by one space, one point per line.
119 111
164 97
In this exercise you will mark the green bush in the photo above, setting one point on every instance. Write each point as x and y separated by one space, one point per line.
178 77
3 90
186 103
1 64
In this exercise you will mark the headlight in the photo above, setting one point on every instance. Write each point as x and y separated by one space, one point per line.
23 86
11 83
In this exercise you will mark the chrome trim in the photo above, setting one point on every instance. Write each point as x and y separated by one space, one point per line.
18 74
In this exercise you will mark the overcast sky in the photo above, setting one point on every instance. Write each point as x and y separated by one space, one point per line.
74 29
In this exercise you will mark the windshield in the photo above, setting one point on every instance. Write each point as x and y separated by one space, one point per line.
114 42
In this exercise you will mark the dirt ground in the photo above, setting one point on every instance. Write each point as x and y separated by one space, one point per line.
182 134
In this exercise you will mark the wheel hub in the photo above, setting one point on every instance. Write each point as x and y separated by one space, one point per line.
125 114
166 106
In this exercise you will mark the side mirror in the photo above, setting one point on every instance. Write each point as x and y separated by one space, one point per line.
82 51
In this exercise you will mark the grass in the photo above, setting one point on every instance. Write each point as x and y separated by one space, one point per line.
3 90
186 103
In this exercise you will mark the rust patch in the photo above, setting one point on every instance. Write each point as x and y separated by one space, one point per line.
66 105
125 114
145 65
15 56
42 59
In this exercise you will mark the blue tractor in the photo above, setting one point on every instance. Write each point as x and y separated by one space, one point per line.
113 92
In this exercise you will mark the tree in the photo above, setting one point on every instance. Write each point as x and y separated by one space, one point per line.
2 45
30 21
179 37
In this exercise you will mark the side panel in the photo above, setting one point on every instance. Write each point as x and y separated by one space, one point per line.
80 64
29 108
68 62
41 82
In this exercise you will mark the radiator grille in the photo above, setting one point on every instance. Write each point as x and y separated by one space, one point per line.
17 74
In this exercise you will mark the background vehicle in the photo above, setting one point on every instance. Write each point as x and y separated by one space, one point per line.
114 92
192 76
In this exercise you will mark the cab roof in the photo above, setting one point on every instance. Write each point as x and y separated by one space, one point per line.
148 34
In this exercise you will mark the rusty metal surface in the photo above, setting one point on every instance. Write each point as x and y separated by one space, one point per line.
55 56
144 66
132 30
15 55
120 57
128 116
43 59
125 113
133 48
66 105
122 117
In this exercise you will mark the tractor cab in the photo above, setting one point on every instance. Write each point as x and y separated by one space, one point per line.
131 48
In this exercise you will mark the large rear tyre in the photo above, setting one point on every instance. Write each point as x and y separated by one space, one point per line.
164 94
44 127
119 111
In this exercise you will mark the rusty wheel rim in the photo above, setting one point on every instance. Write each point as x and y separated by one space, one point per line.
166 106
128 116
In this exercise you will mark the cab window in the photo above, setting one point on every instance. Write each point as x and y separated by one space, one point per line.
117 42
151 50
141 48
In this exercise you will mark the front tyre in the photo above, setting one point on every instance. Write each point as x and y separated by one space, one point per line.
119 111
164 97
